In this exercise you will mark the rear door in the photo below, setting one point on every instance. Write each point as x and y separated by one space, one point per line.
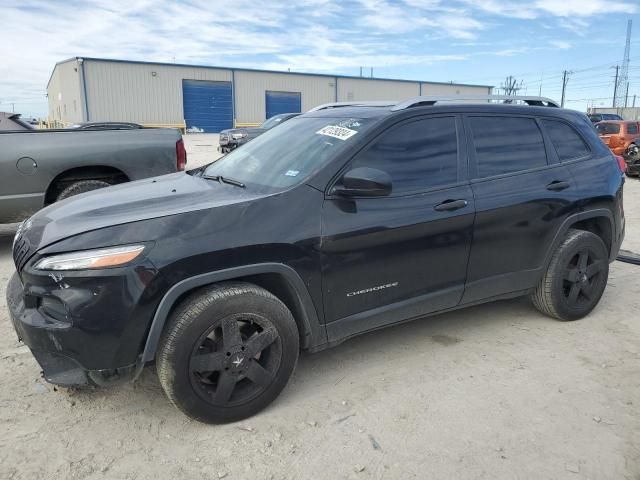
395 257
522 195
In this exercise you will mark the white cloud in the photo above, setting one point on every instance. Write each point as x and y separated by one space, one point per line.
313 35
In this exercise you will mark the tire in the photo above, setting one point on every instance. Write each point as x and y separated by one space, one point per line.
81 187
575 278
227 352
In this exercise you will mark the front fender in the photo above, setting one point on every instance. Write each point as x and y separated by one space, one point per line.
313 334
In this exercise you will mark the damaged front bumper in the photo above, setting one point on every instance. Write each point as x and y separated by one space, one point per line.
75 331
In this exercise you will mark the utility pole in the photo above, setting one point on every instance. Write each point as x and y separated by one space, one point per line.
371 72
626 96
540 89
634 102
615 87
360 71
565 80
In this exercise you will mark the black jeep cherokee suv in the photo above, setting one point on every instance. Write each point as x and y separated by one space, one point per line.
343 220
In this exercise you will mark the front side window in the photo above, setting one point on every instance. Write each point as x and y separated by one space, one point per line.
285 156
417 155
507 145
632 128
565 139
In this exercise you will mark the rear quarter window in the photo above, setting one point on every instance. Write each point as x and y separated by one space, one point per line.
567 142
608 128
506 145
632 128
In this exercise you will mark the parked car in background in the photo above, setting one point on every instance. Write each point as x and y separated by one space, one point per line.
599 117
618 134
232 138
344 220
40 167
105 126
632 158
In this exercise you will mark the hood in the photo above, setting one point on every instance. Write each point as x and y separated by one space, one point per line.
129 202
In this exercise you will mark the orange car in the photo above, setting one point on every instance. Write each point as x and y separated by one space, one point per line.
618 134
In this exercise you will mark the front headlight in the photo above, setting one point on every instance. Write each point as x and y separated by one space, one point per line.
91 259
238 136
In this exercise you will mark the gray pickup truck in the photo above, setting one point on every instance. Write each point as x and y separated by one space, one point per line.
40 167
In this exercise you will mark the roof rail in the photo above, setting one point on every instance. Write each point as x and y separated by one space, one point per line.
325 106
508 99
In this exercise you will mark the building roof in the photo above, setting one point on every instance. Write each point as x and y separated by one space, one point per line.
139 62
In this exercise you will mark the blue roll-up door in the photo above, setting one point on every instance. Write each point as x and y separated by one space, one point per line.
283 102
208 106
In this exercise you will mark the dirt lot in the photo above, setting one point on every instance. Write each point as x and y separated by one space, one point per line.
496 391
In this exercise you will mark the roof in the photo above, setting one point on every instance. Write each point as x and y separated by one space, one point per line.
140 62
446 108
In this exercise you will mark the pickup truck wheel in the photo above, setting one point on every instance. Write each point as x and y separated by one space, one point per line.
227 352
575 279
81 187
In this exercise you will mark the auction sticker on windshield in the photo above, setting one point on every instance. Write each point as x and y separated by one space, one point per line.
341 133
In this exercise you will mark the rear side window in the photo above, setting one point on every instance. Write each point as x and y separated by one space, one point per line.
632 128
608 128
417 156
566 140
506 145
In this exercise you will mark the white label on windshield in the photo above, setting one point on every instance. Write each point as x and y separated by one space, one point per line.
292 173
340 133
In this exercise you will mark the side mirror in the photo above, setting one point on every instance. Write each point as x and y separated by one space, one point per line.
364 182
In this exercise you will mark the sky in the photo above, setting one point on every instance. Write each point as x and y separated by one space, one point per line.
466 41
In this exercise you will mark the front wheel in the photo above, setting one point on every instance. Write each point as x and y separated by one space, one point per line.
227 352
575 278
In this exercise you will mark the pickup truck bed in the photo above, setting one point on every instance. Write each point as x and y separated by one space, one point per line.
39 167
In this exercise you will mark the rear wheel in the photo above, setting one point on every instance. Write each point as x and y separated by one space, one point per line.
227 352
81 186
575 279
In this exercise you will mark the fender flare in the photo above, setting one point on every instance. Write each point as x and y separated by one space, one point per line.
312 330
573 219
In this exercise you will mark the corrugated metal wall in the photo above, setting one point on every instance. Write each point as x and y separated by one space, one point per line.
131 92
367 89
64 93
453 89
251 90
152 93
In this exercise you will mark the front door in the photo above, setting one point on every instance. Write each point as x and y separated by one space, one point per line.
390 258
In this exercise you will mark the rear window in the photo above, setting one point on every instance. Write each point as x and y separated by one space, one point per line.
608 128
566 140
632 128
506 145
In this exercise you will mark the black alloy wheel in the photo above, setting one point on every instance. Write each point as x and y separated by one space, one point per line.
236 360
227 352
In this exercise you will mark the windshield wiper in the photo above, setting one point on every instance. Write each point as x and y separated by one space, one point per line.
222 179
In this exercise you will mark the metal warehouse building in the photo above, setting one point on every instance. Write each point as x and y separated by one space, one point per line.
209 99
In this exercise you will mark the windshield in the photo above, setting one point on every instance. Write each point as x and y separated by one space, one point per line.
272 122
287 155
607 128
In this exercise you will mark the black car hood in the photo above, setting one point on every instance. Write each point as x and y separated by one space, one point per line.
129 202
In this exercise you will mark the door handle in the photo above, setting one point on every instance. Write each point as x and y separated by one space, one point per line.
558 185
448 205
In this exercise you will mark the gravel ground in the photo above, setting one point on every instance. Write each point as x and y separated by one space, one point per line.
495 391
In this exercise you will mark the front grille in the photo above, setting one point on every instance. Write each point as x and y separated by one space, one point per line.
21 252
